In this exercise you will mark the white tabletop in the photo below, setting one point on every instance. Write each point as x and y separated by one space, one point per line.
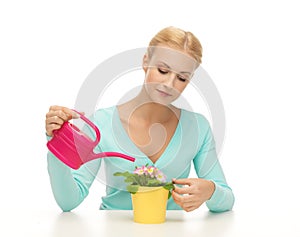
120 223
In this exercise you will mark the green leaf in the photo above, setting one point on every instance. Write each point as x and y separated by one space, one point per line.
132 188
129 179
169 186
118 174
169 194
153 182
136 179
125 174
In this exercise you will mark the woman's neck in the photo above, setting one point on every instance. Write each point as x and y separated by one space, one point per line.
144 109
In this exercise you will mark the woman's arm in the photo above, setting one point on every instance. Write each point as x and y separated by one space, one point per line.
222 198
69 186
208 167
210 186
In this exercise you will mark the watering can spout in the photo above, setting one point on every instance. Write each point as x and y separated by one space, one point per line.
94 156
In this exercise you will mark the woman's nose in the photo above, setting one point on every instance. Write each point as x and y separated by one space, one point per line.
170 79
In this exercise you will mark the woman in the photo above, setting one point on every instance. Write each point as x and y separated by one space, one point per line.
154 131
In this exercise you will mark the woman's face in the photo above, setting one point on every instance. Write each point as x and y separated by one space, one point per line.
168 72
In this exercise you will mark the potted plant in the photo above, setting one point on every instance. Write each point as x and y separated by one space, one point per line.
149 193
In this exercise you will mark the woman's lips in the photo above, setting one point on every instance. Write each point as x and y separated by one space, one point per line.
162 93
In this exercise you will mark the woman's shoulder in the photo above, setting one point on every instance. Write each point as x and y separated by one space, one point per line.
105 110
193 118
103 114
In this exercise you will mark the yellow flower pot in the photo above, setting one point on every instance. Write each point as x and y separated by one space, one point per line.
149 205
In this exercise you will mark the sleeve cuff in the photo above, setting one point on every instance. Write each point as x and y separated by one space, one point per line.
217 196
48 137
221 200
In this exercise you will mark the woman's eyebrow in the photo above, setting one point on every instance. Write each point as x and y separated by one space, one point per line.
167 66
164 64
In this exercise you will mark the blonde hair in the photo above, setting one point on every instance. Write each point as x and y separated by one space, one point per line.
179 39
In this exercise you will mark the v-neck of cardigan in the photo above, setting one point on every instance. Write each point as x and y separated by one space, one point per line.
165 153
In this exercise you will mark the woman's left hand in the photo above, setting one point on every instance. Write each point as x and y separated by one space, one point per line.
195 192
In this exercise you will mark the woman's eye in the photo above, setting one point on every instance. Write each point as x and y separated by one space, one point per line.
162 71
181 78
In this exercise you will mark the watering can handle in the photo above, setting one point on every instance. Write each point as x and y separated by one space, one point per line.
89 122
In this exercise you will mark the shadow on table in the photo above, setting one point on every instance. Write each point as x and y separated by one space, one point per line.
202 223
116 224
215 224
177 224
70 224
121 223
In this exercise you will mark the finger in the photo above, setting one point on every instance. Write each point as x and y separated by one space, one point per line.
55 108
182 181
190 208
183 202
80 112
67 114
56 115
185 190
177 198
183 199
191 199
53 123
61 114
55 120
188 204
71 113
51 127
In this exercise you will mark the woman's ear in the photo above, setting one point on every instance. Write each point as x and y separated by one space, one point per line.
145 62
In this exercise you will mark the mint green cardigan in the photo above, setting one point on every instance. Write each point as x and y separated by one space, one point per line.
192 143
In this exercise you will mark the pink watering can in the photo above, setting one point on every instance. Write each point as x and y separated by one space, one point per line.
75 148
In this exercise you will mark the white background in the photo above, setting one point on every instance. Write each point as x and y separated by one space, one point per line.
251 51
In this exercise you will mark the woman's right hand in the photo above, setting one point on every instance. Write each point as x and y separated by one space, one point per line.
56 116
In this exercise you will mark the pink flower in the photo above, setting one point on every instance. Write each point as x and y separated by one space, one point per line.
144 168
139 171
160 176
150 171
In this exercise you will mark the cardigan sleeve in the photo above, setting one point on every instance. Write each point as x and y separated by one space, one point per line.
69 186
207 166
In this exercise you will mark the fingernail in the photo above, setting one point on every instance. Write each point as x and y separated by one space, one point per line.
75 116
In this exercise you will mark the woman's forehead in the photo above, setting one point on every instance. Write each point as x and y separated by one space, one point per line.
176 60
